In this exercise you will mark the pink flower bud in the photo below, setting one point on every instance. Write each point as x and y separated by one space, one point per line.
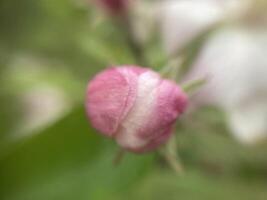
114 7
135 106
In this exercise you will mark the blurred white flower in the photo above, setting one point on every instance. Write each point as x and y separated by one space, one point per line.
182 21
42 106
43 93
248 122
235 63
234 9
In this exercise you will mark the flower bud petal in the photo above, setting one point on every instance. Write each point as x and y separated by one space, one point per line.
108 96
135 106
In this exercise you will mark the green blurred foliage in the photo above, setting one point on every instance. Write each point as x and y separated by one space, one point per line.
67 161
63 43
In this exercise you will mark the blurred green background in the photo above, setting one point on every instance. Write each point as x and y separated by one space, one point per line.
49 49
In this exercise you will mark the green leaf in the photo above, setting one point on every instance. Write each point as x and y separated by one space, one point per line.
196 185
67 161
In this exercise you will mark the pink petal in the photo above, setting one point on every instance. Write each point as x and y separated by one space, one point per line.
149 123
170 103
109 95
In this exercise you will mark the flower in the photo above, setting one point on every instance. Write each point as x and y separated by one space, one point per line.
180 22
135 106
234 61
114 6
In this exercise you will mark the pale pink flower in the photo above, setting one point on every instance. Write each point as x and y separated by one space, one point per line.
135 106
114 7
234 61
184 20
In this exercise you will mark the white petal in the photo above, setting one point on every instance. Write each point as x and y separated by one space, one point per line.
235 60
249 122
184 20
139 114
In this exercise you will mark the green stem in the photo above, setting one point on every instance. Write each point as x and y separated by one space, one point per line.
172 70
174 163
193 85
170 153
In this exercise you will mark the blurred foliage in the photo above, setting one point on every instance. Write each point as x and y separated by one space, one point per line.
62 44
67 161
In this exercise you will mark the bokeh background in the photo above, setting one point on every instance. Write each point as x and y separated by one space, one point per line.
50 49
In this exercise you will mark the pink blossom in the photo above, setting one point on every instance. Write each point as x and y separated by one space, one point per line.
114 6
135 106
